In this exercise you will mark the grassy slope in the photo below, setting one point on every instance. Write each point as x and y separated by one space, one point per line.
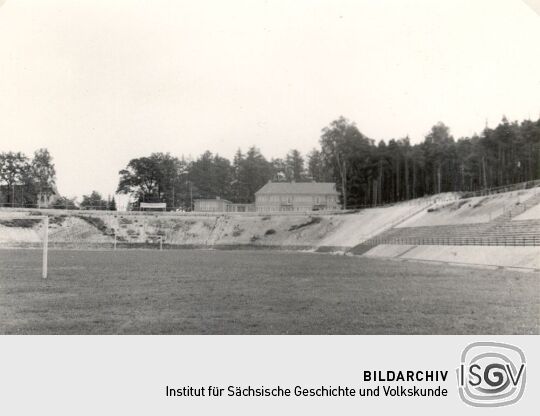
197 292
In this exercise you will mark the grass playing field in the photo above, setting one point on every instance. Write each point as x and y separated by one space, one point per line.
257 292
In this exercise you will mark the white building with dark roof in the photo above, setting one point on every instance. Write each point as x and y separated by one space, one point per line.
297 196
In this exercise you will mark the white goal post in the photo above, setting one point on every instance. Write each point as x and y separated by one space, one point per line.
45 247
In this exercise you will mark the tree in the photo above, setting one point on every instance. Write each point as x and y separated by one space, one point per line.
64 203
151 179
140 178
212 176
43 172
438 145
94 201
254 171
171 190
279 170
14 168
112 205
294 166
417 157
315 166
236 185
343 147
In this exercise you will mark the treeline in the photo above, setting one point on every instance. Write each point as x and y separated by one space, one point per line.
96 201
366 173
162 177
372 174
31 182
24 179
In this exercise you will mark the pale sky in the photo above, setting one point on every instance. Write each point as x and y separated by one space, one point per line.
100 82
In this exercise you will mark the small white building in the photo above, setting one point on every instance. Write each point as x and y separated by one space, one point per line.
297 196
211 205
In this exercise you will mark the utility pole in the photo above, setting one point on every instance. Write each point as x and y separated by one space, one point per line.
343 173
45 246
184 171
173 196
345 182
190 196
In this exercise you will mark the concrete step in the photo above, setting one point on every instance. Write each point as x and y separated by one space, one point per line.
361 248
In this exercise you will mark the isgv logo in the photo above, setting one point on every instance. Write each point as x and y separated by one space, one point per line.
491 374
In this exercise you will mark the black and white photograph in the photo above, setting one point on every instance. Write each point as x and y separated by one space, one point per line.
262 207
269 167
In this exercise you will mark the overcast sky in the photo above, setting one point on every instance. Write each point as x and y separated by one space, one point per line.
101 82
